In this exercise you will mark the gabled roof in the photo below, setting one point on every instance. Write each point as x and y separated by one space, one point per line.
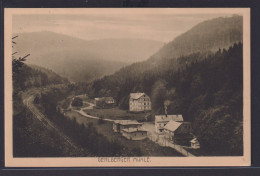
127 122
172 125
163 118
194 140
105 98
136 95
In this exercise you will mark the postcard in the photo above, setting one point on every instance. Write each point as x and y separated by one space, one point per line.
127 87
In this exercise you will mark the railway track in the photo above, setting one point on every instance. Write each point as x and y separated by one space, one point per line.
28 101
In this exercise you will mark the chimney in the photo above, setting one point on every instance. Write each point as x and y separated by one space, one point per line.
166 103
165 109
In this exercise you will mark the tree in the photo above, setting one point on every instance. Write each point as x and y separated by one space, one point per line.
17 63
77 102
159 95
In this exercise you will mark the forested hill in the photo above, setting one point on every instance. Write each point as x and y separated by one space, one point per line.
209 35
35 76
207 93
206 37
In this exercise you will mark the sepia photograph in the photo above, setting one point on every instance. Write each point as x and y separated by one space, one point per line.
129 87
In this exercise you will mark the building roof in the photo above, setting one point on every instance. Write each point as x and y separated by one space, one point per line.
136 95
172 125
131 130
163 118
127 122
105 98
109 98
194 140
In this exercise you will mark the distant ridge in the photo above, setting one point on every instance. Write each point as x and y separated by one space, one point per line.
206 37
192 46
82 60
209 35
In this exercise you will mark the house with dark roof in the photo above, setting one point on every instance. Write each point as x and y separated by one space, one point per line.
139 102
162 120
178 132
104 102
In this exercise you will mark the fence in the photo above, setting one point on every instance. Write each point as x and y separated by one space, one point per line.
162 141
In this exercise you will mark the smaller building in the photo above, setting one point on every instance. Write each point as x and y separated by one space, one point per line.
134 133
195 143
119 125
104 102
162 120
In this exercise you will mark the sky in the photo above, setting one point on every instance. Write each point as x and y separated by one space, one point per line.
160 25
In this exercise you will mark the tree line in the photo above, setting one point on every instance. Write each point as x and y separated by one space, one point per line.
207 88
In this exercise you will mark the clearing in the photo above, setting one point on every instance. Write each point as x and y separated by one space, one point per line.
118 114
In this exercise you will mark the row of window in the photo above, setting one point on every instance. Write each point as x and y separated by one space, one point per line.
147 108
142 134
162 125
142 99
139 103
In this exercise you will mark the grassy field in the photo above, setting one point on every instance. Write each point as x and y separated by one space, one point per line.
118 114
147 147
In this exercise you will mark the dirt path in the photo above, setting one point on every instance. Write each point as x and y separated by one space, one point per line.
81 111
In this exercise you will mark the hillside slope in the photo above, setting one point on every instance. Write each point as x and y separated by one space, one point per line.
209 35
205 38
81 60
35 76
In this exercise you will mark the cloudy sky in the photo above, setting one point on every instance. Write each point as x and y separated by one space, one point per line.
161 25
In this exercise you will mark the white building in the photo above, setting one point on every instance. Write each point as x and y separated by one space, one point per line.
195 143
162 120
139 102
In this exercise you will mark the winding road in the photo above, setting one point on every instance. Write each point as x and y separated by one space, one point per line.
91 105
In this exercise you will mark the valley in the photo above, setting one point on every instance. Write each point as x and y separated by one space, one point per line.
136 97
